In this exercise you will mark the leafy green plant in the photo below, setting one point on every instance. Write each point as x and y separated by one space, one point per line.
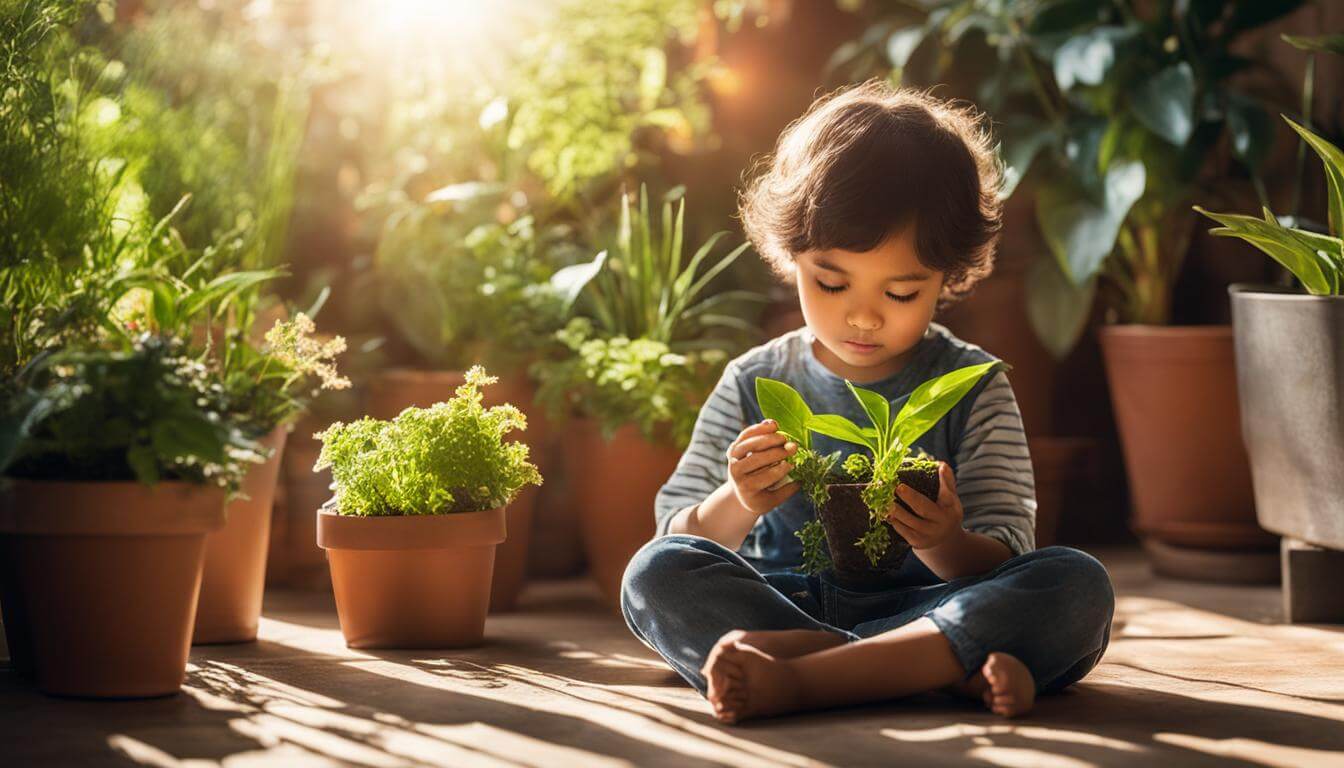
888 438
642 349
144 412
450 457
1315 259
449 278
1120 112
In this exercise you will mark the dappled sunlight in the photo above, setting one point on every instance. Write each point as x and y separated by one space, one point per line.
1266 753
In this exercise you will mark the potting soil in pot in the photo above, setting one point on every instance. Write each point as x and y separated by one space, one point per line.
845 518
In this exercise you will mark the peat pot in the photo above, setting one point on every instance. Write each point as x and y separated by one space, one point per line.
412 581
845 518
99 582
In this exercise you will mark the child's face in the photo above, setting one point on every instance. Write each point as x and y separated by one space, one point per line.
867 310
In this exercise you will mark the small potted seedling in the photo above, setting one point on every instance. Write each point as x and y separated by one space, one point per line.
418 512
850 534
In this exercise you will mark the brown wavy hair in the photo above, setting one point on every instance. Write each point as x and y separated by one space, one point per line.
863 163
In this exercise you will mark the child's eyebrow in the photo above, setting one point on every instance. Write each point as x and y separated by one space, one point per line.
911 277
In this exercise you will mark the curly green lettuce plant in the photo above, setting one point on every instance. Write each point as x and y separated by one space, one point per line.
1314 259
450 457
889 439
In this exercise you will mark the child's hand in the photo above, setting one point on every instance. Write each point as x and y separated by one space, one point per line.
756 462
933 522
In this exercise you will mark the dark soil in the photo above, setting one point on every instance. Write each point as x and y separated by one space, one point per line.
846 519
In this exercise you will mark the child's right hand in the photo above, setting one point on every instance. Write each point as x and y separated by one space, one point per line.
756 462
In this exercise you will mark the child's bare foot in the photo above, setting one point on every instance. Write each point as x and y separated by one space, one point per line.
787 643
745 682
1004 684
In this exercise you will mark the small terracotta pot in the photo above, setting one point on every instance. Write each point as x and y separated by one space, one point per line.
412 581
1174 390
235 556
845 518
101 581
395 390
614 485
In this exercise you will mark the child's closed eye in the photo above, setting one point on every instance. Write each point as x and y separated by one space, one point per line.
902 298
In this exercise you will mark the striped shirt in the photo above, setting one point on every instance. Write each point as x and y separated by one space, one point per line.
981 438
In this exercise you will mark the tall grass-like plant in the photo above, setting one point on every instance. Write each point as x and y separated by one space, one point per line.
641 346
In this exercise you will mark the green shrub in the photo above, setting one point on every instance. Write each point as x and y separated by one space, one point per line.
450 457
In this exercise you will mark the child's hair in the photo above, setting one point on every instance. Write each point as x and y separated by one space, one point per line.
864 162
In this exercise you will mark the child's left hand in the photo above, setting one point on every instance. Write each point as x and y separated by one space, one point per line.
933 522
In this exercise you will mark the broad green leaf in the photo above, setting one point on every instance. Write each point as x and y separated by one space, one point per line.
1086 58
1080 232
878 410
1333 161
1251 129
931 400
1165 103
782 403
1022 139
1056 308
840 428
1278 242
570 281
902 44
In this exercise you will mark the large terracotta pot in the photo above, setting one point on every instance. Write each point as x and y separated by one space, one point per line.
614 484
412 581
395 390
295 560
1175 398
235 556
100 582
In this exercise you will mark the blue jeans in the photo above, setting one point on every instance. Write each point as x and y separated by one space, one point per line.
1050 608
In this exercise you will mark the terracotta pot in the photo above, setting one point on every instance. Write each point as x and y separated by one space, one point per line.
412 581
101 581
1175 397
235 556
295 559
614 485
398 389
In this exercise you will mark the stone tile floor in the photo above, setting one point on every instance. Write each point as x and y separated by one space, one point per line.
1195 675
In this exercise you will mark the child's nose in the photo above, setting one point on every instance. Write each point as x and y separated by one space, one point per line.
865 320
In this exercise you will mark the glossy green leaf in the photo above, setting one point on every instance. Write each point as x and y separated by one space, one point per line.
1056 308
1251 129
1165 103
1323 43
878 410
1333 161
1080 232
781 402
840 428
1022 138
902 43
1278 243
932 400
1085 59
570 281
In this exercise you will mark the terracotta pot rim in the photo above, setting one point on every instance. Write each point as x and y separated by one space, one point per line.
485 528
122 508
1265 292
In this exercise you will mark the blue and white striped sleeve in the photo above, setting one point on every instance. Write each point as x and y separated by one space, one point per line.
704 465
994 476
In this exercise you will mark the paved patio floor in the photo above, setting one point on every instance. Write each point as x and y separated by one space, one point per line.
1195 675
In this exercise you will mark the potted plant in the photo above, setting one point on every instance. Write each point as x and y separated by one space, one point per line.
638 359
418 511
118 462
461 289
850 534
1286 340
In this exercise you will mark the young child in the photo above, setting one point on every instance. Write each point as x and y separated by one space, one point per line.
880 205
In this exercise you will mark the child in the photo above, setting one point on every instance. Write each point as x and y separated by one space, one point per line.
880 205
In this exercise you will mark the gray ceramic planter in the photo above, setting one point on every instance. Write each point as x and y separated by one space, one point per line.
1290 378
